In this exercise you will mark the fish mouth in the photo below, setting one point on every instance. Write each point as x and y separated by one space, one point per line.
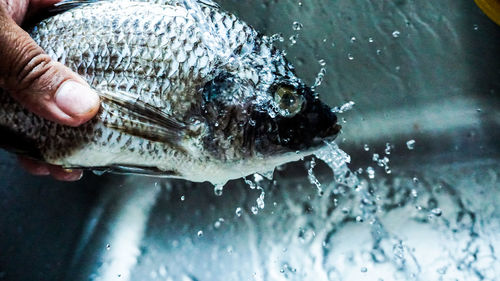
308 131
331 133
328 135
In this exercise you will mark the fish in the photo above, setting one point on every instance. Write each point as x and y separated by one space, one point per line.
187 91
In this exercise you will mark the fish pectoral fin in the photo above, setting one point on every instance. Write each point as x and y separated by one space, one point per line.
142 119
209 3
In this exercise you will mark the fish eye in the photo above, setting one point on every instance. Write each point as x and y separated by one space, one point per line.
288 100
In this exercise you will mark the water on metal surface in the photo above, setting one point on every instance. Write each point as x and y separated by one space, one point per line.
416 84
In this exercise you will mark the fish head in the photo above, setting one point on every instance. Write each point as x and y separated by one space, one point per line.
264 119
300 121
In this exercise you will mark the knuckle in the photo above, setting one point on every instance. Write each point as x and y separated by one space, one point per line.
27 65
31 68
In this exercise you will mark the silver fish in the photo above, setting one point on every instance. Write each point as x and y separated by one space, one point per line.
188 91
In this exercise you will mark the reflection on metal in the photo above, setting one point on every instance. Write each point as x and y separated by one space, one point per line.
491 8
113 233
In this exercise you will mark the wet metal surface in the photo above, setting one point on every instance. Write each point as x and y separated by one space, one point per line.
435 81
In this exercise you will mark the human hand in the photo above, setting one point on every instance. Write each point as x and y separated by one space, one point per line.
45 87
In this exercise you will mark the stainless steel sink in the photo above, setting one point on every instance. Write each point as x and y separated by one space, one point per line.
426 71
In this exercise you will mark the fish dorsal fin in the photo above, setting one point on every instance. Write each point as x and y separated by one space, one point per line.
69 4
135 117
209 3
66 5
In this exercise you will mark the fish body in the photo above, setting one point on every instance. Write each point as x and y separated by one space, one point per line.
187 90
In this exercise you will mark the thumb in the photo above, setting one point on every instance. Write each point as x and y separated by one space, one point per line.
45 87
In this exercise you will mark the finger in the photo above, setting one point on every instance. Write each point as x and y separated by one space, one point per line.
64 174
34 167
16 9
45 87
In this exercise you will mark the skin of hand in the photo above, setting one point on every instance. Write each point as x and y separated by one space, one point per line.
45 87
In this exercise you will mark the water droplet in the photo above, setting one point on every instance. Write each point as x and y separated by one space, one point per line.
257 178
350 56
345 211
359 219
371 172
277 37
297 26
217 224
260 199
238 212
379 52
415 179
414 193
218 189
387 148
410 144
183 198
319 77
200 233
322 62
437 212
293 39
375 157
366 147
364 269
255 210
353 39
108 247
396 33
475 27
370 40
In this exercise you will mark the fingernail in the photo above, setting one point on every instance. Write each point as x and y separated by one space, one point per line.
68 170
76 99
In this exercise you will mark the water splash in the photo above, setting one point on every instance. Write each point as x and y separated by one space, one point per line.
344 108
337 160
312 178
255 184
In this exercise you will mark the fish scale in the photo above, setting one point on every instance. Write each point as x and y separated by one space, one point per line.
181 83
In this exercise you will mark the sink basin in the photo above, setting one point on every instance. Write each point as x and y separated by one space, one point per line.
425 79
